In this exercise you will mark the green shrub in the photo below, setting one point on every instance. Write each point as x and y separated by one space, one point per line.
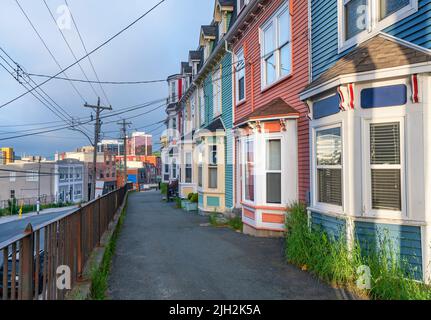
178 203
164 188
236 223
194 198
330 258
190 196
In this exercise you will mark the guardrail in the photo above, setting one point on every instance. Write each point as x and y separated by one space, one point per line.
44 262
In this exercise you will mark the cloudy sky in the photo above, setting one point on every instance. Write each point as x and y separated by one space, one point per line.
151 49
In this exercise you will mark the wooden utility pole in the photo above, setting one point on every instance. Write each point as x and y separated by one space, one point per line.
38 188
98 108
124 125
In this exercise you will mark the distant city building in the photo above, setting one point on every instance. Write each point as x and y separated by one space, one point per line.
7 155
70 181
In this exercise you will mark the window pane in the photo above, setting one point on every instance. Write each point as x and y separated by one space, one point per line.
213 155
269 45
200 176
387 7
329 146
285 60
273 155
329 186
270 69
241 89
385 143
386 189
212 176
284 28
188 175
273 187
249 171
356 13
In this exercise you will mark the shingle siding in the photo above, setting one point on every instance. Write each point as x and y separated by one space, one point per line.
324 32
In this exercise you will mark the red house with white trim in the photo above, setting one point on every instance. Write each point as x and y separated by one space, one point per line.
271 67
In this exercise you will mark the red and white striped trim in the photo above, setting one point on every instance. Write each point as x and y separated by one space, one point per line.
347 97
415 89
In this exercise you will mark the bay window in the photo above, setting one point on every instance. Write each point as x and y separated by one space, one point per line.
240 76
212 167
361 19
276 47
329 166
249 170
200 165
385 166
273 171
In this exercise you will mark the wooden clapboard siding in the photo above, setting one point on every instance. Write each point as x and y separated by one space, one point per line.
289 88
334 227
324 27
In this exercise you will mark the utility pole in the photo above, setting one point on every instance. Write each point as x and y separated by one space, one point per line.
38 188
124 125
98 108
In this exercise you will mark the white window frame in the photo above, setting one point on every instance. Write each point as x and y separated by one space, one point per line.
188 166
240 8
367 205
12 176
273 21
201 106
266 171
244 159
374 26
315 200
217 93
240 74
32 176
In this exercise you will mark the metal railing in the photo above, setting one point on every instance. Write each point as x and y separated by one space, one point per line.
34 261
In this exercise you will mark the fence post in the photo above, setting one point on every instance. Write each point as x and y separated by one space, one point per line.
79 244
26 257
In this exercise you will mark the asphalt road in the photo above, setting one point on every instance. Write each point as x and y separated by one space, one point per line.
165 253
16 227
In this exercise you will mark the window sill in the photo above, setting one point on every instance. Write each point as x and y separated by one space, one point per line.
277 82
240 103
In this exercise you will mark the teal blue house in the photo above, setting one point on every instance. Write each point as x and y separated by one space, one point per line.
369 108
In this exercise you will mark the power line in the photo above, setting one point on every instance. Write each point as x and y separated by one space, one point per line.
86 51
82 58
68 45
101 82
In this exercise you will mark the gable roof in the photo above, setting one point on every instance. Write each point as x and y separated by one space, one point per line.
195 55
216 125
209 31
380 52
277 108
186 68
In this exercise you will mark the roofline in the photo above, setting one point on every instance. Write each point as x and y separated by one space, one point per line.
220 48
287 116
405 43
379 74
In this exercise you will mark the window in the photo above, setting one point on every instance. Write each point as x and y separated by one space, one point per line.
174 169
188 164
173 92
249 170
241 5
329 166
32 176
212 167
240 76
192 108
174 123
276 47
12 176
12 194
200 158
361 19
201 106
273 171
385 166
216 79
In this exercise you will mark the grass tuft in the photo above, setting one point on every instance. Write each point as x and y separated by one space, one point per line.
331 260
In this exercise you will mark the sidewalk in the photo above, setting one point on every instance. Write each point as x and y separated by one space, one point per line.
165 253
7 219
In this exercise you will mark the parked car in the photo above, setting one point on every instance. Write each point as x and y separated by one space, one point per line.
9 271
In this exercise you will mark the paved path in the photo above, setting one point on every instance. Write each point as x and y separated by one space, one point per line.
166 253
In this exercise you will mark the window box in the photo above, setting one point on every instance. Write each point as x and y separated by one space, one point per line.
190 206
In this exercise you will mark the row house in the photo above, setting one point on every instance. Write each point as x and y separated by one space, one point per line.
326 102
370 120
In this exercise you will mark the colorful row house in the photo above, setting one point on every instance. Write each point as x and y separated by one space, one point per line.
326 102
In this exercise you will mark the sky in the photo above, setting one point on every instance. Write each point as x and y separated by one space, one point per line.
150 50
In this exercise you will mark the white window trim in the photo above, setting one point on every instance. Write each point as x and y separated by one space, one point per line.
243 159
281 171
374 25
240 52
320 206
201 106
366 172
239 6
12 176
273 21
186 166
212 165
